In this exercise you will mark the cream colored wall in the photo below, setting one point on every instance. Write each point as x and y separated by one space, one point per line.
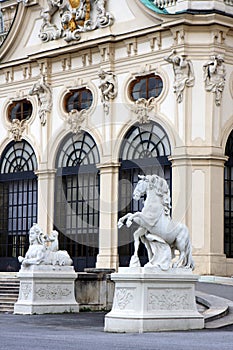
197 128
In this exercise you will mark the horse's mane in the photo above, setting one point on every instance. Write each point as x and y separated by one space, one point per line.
162 190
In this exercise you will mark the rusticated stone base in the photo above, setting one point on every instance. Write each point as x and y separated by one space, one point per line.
148 299
46 289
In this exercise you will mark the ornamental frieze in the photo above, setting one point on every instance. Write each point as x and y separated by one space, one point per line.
75 17
168 300
52 292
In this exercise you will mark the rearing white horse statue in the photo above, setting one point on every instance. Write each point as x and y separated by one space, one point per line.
156 228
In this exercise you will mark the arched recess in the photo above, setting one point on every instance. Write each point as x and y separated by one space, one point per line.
145 150
18 201
228 198
76 213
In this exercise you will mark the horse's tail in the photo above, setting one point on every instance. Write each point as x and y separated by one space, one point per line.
188 254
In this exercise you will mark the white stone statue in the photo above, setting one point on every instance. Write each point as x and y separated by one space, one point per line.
44 94
214 77
43 249
160 234
183 71
108 86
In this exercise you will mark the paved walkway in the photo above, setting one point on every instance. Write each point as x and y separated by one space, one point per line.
85 331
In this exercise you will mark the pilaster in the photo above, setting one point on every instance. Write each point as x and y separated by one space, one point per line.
108 233
46 178
198 201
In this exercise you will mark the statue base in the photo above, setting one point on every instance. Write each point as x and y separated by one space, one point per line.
46 289
147 299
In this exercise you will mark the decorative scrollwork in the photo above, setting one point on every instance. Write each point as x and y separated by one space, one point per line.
168 300
76 16
123 298
52 292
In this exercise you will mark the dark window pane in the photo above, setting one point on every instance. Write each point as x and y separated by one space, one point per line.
146 87
228 199
20 110
80 99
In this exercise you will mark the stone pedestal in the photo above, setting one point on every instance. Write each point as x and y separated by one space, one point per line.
148 299
46 289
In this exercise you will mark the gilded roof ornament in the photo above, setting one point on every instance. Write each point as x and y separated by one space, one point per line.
76 17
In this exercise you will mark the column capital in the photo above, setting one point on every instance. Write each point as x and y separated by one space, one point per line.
45 172
106 166
198 160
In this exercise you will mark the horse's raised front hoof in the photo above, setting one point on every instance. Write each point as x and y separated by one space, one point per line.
120 224
128 223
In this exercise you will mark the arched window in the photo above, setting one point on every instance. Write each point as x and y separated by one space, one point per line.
1 22
18 201
228 199
145 150
77 199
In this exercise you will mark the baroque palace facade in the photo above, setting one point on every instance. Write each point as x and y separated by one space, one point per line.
94 93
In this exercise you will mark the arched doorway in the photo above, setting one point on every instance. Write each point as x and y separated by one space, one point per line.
228 199
145 150
18 202
77 199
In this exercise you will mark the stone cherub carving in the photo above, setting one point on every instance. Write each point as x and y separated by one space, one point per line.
43 249
214 77
44 94
160 234
183 71
108 87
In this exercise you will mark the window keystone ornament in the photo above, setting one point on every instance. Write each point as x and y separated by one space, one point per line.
215 77
76 17
142 107
17 128
76 119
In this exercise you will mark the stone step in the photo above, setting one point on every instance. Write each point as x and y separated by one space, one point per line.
7 297
9 291
219 311
224 321
216 307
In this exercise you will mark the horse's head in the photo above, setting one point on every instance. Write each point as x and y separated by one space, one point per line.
141 187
